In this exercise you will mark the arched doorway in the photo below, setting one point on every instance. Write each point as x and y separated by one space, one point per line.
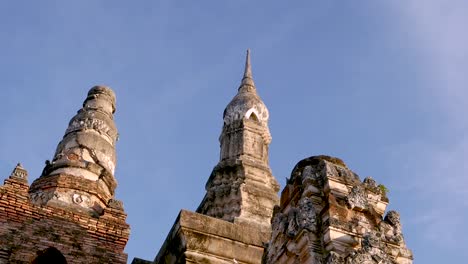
49 255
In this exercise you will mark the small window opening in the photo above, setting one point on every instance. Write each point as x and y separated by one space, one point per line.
49 255
253 117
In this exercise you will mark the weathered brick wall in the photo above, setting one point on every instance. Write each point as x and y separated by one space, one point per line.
26 228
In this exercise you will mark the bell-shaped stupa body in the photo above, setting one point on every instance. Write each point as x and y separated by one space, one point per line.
81 173
247 104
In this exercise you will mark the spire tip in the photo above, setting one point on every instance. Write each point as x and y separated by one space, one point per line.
248 67
247 78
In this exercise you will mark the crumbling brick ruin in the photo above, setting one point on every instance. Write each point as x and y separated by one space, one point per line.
69 214
325 215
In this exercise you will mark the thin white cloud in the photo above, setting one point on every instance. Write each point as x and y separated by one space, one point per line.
440 28
439 175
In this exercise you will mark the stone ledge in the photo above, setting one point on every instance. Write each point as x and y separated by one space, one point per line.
244 233
199 231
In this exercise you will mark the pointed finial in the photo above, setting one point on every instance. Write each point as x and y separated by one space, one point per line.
248 79
248 67
19 173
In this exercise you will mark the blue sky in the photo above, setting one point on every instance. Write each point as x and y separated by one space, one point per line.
380 84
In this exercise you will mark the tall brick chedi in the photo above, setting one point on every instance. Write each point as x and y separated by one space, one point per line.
81 175
69 214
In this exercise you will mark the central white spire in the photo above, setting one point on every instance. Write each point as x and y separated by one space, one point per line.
241 188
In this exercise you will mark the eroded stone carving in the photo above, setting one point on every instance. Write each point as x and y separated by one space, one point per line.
293 223
370 182
76 198
115 204
357 198
43 197
89 123
391 227
334 258
370 252
307 215
278 224
334 222
223 199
